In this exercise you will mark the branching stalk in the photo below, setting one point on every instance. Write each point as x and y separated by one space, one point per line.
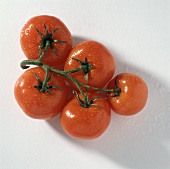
24 65
85 66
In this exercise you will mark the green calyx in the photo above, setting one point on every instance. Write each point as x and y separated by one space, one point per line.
85 101
47 41
43 86
117 91
86 67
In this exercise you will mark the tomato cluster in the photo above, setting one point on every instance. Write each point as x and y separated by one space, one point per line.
42 91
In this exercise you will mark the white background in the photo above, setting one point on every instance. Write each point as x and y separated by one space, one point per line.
137 33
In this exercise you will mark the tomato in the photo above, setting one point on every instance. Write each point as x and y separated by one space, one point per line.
86 123
102 61
30 39
133 95
37 104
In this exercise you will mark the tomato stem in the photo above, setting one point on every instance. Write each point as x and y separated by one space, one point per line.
87 66
66 74
45 51
24 65
85 102
43 86
46 79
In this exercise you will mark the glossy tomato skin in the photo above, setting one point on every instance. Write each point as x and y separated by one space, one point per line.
101 59
85 123
133 96
30 39
36 104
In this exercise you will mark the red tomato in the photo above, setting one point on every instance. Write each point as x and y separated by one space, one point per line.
37 104
30 39
86 123
133 95
103 63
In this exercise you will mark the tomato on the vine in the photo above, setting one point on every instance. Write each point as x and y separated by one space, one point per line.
38 104
86 123
133 95
31 37
96 54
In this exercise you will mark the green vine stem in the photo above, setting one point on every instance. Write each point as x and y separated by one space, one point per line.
44 84
45 51
24 65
